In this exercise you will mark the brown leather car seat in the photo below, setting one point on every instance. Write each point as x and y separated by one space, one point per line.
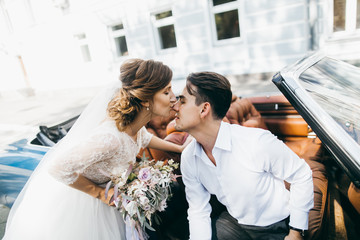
354 196
243 112
310 150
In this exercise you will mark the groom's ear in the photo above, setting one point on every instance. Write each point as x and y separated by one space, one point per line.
205 110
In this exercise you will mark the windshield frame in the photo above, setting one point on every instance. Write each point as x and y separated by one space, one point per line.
338 142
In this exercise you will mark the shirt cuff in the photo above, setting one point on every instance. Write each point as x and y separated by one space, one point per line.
200 229
299 219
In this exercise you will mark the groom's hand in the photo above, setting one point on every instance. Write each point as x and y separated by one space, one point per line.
293 235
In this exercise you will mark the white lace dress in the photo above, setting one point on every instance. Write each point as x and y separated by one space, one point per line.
52 210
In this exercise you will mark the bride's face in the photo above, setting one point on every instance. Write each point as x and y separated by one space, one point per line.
163 102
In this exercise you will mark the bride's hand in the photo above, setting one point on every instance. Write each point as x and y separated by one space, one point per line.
110 197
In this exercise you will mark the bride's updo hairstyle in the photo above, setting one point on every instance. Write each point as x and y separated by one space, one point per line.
141 79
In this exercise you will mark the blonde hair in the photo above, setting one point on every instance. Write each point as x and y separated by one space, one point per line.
141 79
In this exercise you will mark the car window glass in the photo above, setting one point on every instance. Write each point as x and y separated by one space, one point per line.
335 86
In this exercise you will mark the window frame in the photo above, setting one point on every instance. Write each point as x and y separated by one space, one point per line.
235 5
115 34
80 43
156 24
350 20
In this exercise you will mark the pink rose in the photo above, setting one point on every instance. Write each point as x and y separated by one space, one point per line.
144 174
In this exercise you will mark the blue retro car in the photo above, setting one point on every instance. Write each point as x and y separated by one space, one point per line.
20 158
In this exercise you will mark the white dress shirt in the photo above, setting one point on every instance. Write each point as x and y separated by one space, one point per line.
251 166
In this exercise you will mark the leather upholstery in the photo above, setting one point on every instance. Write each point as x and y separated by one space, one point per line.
310 150
243 112
280 117
288 127
354 197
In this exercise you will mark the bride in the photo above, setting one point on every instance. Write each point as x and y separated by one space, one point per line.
65 196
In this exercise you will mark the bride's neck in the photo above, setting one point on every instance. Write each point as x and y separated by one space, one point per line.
142 118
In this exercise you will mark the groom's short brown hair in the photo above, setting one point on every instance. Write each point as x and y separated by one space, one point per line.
213 88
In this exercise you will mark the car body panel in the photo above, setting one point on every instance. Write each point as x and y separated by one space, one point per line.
16 165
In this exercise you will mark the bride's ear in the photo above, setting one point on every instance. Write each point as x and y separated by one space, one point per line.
145 104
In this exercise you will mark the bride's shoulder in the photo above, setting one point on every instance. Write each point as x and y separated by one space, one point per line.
106 129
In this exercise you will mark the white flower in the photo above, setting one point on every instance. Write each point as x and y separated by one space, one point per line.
136 187
159 164
131 208
156 177
144 202
162 205
167 168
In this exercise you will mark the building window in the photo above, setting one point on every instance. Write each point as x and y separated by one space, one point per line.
84 47
165 29
118 36
225 17
346 15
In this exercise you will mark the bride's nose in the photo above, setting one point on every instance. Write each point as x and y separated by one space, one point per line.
172 97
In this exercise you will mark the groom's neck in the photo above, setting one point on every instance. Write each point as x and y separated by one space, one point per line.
206 134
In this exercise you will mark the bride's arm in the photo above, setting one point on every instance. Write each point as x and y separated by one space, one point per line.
160 144
85 185
67 166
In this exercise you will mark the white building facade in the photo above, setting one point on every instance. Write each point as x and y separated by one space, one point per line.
59 44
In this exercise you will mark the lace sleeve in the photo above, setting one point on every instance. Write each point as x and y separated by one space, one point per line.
67 167
145 137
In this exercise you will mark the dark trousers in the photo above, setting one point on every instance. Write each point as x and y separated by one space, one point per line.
225 227
173 223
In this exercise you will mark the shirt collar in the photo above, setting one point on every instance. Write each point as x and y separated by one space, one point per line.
223 139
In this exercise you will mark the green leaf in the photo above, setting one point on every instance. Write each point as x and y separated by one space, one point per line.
149 227
157 219
144 158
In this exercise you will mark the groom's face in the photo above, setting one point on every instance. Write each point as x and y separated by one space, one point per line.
187 112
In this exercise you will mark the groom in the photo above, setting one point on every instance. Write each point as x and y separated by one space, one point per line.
244 168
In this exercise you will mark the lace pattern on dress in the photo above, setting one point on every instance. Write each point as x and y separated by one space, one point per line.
106 149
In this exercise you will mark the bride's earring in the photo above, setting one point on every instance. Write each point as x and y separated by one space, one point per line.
147 108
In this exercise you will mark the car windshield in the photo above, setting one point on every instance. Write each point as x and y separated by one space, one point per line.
335 86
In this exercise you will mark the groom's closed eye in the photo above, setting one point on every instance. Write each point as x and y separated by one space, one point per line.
180 99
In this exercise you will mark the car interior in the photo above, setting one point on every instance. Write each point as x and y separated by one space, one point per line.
336 211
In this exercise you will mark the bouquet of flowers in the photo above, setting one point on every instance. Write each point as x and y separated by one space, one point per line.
142 190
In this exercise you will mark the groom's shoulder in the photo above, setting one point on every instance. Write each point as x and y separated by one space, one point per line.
188 153
242 133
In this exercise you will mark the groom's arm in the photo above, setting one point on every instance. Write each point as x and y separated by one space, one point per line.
198 199
284 164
